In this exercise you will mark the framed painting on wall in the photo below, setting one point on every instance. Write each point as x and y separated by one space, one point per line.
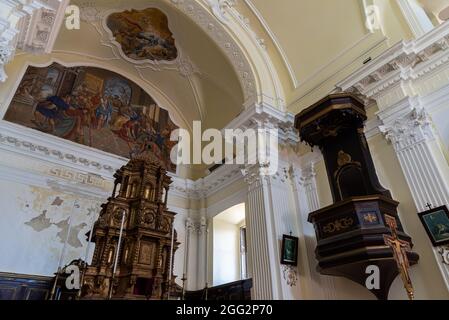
436 223
289 251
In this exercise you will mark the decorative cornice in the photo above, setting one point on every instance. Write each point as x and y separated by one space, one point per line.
406 61
86 164
22 140
262 116
205 187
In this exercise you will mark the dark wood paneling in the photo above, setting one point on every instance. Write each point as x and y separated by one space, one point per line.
239 290
24 287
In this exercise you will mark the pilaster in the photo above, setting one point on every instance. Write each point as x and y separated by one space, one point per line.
270 211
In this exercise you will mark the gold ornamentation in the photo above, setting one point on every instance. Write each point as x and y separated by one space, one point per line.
370 218
400 249
146 236
343 158
338 225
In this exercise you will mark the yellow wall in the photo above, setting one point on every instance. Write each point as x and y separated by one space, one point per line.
322 41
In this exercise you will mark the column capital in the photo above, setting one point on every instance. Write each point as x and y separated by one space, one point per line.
406 123
196 226
253 174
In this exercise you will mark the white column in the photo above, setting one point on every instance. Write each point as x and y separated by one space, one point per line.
190 255
408 127
270 210
415 16
271 213
202 250
260 233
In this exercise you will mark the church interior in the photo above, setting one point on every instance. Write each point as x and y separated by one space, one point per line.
201 150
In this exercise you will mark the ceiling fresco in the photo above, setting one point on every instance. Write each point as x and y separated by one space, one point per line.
143 34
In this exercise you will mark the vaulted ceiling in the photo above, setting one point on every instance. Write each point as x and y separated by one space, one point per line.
316 43
200 85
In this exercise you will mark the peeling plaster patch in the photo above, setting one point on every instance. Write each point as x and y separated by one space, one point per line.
31 215
73 239
57 202
57 207
40 223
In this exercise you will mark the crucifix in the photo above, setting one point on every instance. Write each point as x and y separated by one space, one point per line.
400 249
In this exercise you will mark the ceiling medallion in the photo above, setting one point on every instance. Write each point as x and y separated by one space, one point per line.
143 34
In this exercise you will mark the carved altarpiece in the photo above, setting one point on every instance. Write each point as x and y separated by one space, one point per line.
144 263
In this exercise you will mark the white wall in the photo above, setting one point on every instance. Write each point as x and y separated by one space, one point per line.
37 194
34 226
226 252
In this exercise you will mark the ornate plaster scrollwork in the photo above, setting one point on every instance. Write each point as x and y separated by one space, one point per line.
51 153
410 129
219 7
196 226
6 54
444 251
290 275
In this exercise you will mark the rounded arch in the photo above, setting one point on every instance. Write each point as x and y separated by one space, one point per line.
256 72
73 59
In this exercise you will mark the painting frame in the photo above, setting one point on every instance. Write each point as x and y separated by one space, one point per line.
442 214
289 250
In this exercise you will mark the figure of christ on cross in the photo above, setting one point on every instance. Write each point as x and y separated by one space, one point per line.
400 249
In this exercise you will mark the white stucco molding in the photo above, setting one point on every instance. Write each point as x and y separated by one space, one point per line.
58 151
28 25
415 16
403 64
219 7
262 115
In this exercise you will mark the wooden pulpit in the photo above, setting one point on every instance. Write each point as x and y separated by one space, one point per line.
350 233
